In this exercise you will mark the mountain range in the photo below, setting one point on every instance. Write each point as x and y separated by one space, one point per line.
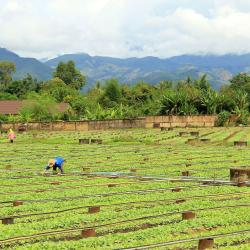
219 69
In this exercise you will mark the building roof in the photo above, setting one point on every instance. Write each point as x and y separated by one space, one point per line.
14 107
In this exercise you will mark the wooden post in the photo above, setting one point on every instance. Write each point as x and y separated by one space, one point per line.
188 215
179 201
112 185
89 232
176 189
7 221
205 243
17 203
185 173
93 210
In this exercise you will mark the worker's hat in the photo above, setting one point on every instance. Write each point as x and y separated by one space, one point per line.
51 162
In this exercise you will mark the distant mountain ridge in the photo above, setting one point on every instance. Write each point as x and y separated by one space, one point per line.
150 69
26 66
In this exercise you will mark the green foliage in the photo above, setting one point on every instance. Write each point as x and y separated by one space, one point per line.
177 103
39 108
3 118
78 105
6 70
243 116
111 94
222 118
111 99
21 87
58 89
133 213
71 76
7 96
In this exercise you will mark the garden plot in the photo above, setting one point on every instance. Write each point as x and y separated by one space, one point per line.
139 189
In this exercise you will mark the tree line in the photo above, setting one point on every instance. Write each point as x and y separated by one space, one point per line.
112 99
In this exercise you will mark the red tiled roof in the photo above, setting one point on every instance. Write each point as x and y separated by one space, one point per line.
13 107
10 107
63 106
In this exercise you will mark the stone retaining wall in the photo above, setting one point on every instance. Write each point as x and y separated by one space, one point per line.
146 122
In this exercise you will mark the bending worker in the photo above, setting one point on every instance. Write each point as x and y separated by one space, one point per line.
55 163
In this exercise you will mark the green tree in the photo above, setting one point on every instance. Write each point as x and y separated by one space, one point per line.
79 106
21 87
241 81
112 93
164 85
177 103
71 76
56 88
6 71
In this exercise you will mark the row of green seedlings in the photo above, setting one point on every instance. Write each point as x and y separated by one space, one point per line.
91 231
8 167
196 134
173 200
146 180
236 143
93 209
203 243
96 209
185 173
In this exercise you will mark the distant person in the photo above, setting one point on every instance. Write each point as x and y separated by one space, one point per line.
54 164
11 135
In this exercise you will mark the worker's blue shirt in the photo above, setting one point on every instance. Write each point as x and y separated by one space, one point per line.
59 161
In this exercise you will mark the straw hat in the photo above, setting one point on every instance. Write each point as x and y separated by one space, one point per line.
51 162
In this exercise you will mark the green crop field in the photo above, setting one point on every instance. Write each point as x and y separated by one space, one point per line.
129 192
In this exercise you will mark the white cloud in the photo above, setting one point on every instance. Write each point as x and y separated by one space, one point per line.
124 28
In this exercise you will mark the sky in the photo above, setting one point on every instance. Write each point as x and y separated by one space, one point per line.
125 28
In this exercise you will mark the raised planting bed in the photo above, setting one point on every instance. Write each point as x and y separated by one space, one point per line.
240 143
240 174
194 133
183 133
192 141
84 141
164 129
96 141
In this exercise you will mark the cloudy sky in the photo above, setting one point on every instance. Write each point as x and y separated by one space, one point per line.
125 28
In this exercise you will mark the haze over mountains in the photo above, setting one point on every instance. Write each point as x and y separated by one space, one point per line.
150 69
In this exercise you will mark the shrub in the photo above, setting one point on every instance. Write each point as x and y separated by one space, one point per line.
223 117
243 118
